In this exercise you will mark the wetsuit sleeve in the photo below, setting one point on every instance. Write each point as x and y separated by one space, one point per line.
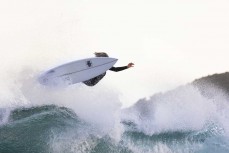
116 69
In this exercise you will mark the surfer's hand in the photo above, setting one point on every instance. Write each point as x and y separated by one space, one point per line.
130 65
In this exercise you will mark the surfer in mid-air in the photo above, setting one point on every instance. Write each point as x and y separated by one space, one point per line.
95 80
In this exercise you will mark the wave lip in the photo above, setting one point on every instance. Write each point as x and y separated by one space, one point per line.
4 116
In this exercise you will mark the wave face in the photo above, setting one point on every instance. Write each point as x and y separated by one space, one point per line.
79 119
50 128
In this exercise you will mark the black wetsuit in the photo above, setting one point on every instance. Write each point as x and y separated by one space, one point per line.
96 79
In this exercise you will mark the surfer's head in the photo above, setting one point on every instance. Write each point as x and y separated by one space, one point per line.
101 54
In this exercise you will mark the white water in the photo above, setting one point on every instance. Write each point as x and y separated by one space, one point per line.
183 109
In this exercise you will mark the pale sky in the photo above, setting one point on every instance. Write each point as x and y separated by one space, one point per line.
171 42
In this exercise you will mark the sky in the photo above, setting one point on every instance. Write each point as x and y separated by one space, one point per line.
171 42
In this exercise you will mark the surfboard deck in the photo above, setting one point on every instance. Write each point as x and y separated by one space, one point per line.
76 71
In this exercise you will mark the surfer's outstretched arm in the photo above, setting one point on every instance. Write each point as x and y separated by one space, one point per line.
116 69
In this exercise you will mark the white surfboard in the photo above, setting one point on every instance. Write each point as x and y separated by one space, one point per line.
76 71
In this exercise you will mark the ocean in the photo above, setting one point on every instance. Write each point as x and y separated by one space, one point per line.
78 119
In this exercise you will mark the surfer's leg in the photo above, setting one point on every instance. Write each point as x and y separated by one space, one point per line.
94 80
90 82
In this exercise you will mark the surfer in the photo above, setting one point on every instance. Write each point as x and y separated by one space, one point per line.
95 80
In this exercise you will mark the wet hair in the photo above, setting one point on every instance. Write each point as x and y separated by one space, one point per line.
101 54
